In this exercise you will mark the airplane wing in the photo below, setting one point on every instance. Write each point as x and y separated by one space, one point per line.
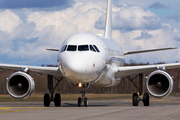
40 70
145 51
132 70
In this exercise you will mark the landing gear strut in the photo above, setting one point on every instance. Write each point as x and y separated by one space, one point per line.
137 97
83 98
49 98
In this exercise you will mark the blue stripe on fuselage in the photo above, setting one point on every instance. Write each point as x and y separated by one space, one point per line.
117 59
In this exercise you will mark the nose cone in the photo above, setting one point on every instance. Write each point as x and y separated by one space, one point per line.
77 66
74 67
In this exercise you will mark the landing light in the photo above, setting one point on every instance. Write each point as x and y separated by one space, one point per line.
80 85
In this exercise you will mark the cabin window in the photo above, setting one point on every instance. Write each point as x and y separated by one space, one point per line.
96 48
83 48
92 48
64 48
71 48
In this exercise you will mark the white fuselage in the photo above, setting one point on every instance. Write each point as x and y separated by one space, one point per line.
88 58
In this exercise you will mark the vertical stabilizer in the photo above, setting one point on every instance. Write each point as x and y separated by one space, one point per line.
108 29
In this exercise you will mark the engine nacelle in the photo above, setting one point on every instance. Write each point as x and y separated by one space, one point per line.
159 84
20 85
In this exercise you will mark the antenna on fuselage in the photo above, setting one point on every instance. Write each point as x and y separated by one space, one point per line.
108 29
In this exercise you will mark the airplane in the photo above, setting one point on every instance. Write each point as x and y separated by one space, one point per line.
86 59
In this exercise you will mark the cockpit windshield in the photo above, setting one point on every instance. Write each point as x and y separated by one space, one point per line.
96 48
83 48
92 48
72 48
63 48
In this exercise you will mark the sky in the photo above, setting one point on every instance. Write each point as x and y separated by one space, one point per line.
29 27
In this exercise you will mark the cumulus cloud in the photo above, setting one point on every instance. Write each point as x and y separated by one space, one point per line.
58 25
144 35
9 25
132 18
14 4
26 40
9 21
158 5
45 29
175 16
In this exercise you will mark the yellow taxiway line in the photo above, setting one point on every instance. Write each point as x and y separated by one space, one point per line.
5 108
10 110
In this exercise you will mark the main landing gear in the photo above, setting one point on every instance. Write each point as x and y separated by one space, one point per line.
49 98
83 99
137 97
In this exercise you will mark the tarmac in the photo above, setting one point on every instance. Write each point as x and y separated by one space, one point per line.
117 109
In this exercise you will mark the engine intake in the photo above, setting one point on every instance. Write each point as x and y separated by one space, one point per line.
20 85
159 84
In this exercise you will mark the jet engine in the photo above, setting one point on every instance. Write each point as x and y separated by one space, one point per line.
159 84
20 85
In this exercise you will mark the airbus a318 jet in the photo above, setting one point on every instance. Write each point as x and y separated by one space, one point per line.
86 59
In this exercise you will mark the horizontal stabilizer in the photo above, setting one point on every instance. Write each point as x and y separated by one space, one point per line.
145 51
53 50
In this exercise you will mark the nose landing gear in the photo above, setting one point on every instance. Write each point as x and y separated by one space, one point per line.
83 99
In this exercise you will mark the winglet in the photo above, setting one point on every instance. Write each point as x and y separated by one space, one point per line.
108 29
145 51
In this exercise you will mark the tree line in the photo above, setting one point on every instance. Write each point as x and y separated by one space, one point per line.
124 87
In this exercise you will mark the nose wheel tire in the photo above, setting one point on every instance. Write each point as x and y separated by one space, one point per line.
146 99
46 100
79 102
135 99
85 102
57 100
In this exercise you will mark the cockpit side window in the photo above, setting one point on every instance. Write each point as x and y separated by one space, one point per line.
63 48
83 48
92 48
72 48
96 48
